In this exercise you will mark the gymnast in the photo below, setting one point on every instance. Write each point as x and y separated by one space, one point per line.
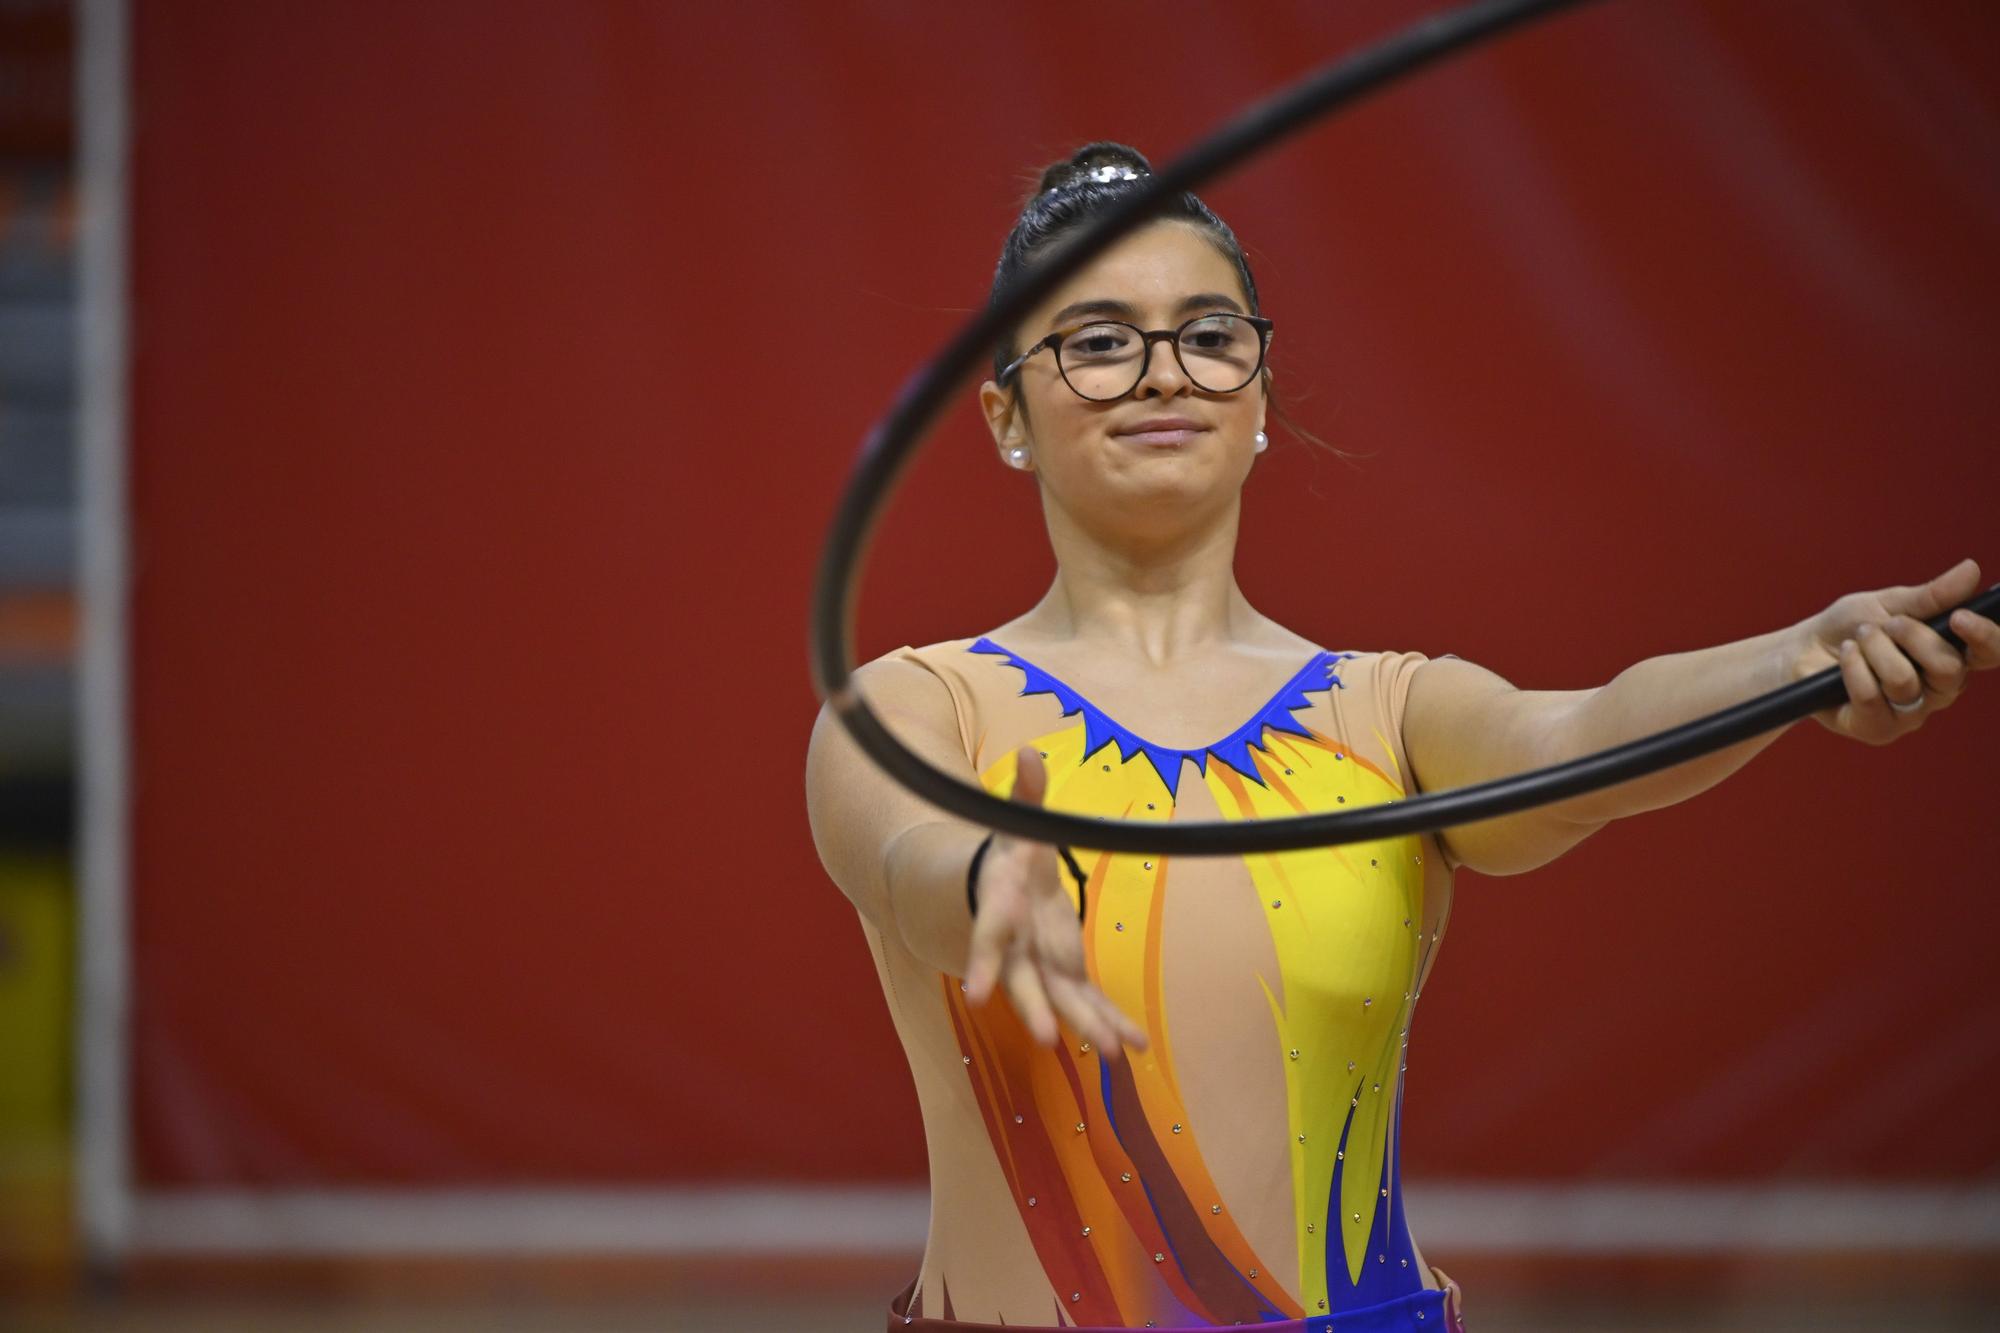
1185 1114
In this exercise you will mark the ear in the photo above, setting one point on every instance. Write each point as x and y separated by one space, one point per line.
1263 397
1004 417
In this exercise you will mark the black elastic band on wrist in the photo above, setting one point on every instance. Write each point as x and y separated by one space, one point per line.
972 876
979 854
1077 872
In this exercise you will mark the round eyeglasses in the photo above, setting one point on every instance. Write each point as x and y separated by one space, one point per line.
1106 360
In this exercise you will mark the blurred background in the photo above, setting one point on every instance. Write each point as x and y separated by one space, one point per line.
417 426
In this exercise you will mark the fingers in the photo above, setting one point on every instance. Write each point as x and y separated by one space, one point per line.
988 952
1981 637
1031 1001
1037 954
1896 674
1943 670
1076 1001
1066 974
1865 714
1044 999
1128 1032
1031 777
1925 600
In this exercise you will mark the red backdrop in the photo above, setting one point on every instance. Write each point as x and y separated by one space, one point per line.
494 372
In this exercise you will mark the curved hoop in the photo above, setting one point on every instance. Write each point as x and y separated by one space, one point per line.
894 441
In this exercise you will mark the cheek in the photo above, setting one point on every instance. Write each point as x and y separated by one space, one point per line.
1064 420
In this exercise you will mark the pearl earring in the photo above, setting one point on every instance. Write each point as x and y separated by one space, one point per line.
1263 441
1018 456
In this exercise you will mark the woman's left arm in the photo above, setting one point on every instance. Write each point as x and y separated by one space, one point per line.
1463 724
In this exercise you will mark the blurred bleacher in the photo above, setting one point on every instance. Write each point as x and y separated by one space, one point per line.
38 396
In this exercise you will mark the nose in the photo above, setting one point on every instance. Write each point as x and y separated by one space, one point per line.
1163 376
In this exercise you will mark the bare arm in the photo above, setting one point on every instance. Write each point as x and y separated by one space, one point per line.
903 864
1464 724
898 858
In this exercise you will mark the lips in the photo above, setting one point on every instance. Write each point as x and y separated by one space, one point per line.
1161 430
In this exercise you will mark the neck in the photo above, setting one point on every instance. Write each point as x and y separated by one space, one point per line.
1157 590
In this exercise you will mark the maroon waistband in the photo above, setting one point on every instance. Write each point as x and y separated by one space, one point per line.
1427 1311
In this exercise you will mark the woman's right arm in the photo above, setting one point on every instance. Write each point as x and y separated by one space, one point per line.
902 862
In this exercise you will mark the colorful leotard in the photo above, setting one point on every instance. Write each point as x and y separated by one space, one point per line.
1243 1169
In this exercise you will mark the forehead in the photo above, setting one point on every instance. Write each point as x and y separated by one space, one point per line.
1153 270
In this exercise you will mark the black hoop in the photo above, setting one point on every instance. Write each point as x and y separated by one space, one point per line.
894 441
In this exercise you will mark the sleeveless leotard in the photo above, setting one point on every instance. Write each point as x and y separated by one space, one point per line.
1243 1169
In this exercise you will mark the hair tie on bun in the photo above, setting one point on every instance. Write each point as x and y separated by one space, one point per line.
1109 172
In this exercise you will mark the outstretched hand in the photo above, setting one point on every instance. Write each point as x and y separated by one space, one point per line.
1026 935
1898 670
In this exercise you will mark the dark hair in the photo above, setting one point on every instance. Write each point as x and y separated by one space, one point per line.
1071 192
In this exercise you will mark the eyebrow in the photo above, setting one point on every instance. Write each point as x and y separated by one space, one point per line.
1124 311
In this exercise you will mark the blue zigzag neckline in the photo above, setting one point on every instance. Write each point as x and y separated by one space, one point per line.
1316 676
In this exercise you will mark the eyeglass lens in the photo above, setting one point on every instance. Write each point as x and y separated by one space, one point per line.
1220 353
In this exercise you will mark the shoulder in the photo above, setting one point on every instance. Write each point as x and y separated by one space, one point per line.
1398 672
917 692
907 676
1418 693
1448 679
1449 700
912 671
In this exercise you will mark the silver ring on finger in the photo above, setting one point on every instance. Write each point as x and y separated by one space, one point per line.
1912 706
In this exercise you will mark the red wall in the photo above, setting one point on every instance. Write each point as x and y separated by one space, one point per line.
494 372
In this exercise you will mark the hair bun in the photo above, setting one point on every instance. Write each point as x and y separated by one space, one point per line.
1103 160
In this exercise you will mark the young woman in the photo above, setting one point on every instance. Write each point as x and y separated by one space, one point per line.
1184 1113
